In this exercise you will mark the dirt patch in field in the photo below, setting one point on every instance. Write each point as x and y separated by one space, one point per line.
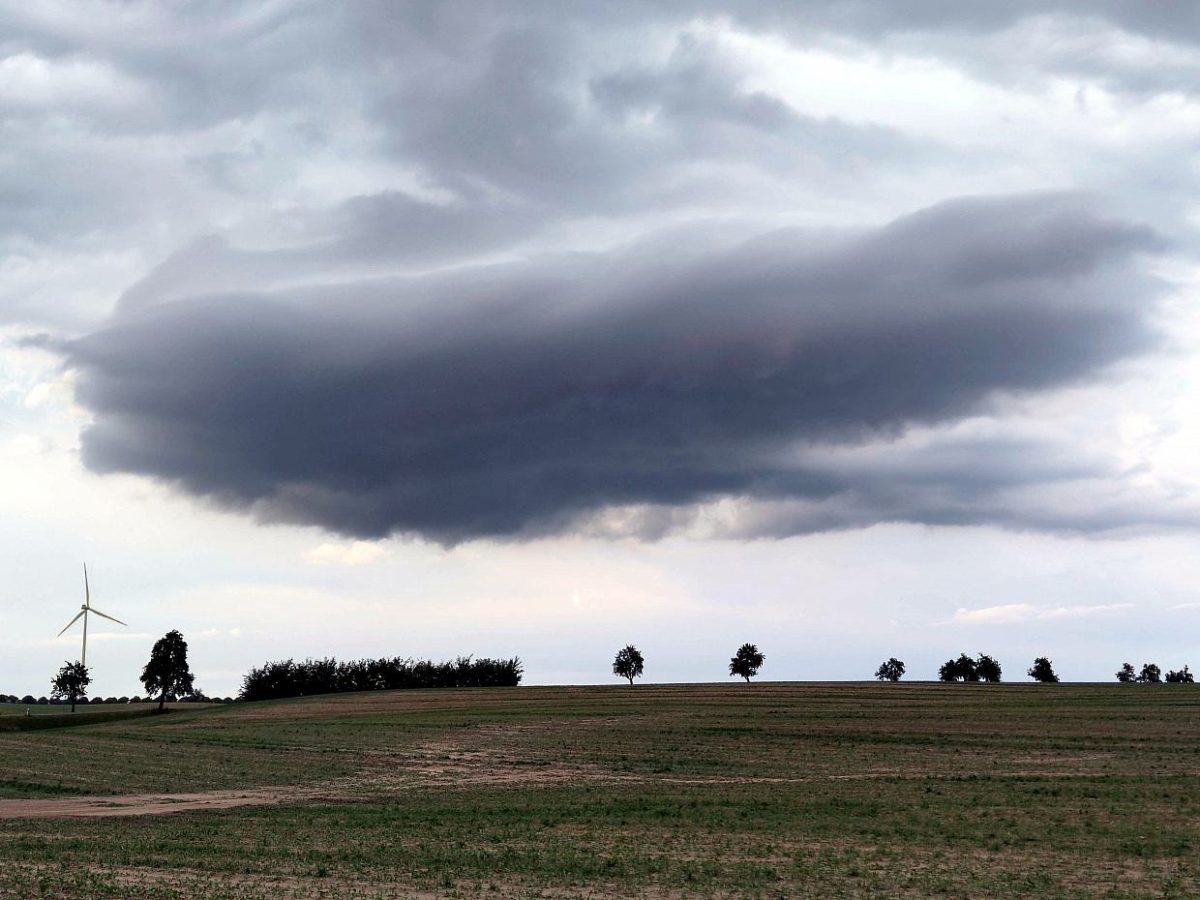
146 804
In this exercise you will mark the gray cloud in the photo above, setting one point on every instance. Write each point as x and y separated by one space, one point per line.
510 400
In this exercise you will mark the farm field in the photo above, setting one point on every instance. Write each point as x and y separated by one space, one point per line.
761 790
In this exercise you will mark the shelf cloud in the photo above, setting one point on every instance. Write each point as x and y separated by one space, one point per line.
515 399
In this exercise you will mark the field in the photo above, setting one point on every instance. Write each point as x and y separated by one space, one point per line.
762 790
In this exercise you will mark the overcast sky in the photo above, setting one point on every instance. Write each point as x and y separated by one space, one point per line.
863 329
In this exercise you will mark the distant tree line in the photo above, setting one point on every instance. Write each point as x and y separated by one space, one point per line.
289 678
986 669
30 700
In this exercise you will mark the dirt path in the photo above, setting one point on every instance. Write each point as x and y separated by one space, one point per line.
143 804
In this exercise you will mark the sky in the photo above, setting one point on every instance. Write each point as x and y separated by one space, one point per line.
849 328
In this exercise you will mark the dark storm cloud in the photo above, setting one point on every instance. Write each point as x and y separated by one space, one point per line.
512 400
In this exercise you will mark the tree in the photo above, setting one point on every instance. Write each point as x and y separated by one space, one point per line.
1183 676
746 662
987 668
1125 674
962 669
1150 674
1043 671
891 670
167 671
70 683
629 663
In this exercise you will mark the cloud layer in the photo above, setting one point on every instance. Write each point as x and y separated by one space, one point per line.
515 399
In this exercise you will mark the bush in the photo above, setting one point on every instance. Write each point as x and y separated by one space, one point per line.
288 678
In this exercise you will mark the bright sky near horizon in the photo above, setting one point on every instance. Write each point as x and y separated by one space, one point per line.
852 329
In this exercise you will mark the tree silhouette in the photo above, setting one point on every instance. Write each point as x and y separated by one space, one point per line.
1042 670
891 669
1125 674
987 668
1150 674
746 662
71 683
1183 676
628 663
962 669
167 671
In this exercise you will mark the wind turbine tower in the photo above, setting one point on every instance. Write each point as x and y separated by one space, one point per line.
84 612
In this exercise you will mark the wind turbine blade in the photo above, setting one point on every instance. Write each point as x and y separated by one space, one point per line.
72 622
87 591
96 612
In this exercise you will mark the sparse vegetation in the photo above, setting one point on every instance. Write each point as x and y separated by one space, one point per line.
677 791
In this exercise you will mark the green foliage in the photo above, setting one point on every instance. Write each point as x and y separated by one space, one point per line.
987 669
1183 676
167 673
1150 674
287 678
1042 670
1126 674
962 669
71 683
746 662
628 663
891 669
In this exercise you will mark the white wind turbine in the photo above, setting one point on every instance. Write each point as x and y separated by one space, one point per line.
83 613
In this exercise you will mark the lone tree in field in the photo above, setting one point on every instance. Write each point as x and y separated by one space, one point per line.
1183 676
168 672
890 670
987 668
71 683
1043 671
1150 674
746 662
1125 674
629 663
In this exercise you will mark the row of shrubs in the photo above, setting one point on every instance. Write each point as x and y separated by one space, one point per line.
288 678
30 700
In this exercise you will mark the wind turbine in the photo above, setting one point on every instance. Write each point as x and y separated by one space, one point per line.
83 614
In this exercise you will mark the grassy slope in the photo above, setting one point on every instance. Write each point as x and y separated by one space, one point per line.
760 790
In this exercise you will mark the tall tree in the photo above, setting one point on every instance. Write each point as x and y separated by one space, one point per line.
1042 670
962 669
70 683
891 669
746 662
1125 674
629 663
987 668
167 671
1150 674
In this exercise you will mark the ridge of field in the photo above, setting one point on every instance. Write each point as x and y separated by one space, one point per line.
767 789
